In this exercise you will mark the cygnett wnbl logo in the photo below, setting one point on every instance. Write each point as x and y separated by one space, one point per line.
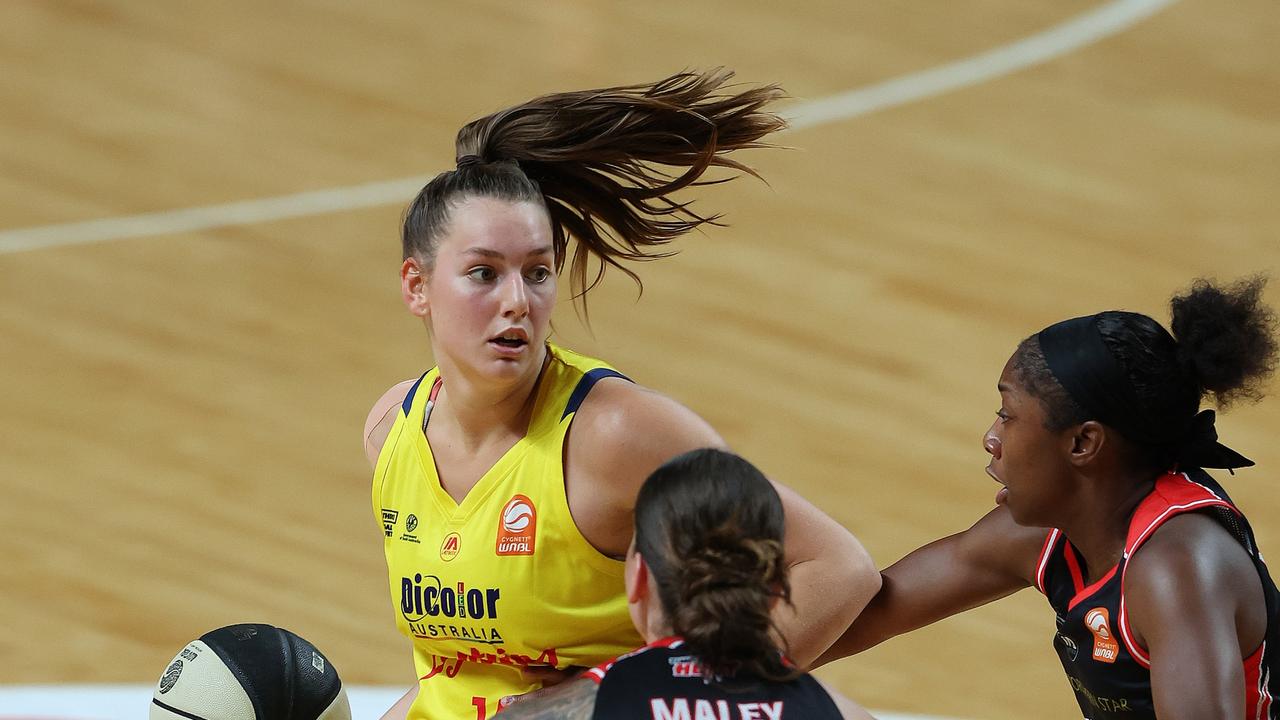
517 527
425 596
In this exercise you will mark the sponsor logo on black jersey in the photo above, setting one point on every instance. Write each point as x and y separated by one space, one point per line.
1069 646
1105 647
685 666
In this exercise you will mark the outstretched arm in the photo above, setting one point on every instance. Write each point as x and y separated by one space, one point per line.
574 700
990 560
623 432
400 710
832 579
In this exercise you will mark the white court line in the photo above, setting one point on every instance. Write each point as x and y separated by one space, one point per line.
1082 30
130 702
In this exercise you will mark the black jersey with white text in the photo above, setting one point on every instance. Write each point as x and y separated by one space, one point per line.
1109 672
662 681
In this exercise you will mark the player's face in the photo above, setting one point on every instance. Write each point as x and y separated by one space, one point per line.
1026 457
490 293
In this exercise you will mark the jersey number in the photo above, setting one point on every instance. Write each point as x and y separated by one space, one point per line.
479 702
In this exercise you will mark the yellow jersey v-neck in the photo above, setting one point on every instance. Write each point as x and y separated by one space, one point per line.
503 579
506 464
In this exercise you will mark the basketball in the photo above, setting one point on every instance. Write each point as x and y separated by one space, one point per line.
249 672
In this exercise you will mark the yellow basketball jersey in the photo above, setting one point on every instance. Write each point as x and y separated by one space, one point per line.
504 579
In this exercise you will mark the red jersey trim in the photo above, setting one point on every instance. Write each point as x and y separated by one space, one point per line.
1086 592
1257 698
598 672
1174 494
1073 565
1043 561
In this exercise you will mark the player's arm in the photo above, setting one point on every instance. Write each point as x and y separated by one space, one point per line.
376 428
994 558
1194 599
573 700
383 415
630 431
400 710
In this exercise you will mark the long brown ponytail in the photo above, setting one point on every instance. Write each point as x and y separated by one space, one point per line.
710 527
604 163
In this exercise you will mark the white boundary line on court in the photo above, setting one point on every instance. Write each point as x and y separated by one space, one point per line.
130 702
1107 20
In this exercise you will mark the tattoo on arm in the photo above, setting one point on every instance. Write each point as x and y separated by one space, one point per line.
575 700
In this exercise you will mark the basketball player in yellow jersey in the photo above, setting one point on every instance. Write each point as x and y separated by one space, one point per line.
506 476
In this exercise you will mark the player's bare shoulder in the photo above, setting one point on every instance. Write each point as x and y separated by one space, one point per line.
623 419
381 417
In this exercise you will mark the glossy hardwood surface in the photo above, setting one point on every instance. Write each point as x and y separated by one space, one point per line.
181 414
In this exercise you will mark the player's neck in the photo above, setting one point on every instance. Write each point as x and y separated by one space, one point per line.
477 413
656 626
1100 525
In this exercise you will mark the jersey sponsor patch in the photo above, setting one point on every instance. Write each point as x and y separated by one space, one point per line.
450 548
1069 645
389 520
685 666
517 527
1105 647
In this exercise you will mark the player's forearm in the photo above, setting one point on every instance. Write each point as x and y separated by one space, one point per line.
400 710
827 593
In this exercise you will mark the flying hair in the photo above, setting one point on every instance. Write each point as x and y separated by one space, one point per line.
605 164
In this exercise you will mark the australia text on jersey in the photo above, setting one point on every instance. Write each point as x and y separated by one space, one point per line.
429 605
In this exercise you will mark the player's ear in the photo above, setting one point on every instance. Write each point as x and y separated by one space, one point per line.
413 287
637 579
1086 442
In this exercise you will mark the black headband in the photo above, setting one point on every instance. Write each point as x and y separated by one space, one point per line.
1083 365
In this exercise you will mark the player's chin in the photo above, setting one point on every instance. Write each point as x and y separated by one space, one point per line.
505 367
1022 515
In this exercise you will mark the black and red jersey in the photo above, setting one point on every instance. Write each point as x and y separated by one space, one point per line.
662 681
1109 672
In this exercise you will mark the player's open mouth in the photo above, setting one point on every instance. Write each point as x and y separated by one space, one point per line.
1003 493
510 341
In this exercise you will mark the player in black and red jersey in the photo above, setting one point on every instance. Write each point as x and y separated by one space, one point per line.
703 573
1164 606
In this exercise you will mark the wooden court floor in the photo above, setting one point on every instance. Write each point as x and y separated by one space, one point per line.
180 413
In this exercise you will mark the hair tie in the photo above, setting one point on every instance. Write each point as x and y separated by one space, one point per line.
469 159
1085 368
1200 446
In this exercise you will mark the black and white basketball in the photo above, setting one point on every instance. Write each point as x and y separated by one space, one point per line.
250 672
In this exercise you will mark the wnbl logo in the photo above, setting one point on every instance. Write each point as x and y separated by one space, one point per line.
517 527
